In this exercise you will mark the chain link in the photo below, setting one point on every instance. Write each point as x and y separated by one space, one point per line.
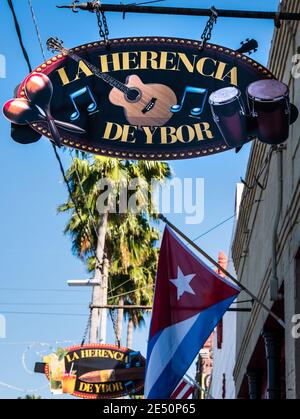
87 329
113 316
206 35
101 20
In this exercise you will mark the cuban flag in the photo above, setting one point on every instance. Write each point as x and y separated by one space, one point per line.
189 301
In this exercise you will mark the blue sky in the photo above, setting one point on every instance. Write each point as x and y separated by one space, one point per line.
36 259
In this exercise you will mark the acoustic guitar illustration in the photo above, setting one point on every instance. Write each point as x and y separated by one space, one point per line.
144 104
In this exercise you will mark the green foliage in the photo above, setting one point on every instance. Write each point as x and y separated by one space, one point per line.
131 239
61 353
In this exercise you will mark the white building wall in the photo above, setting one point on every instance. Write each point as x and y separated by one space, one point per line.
224 358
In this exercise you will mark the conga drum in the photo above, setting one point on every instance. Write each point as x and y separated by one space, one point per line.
229 115
269 104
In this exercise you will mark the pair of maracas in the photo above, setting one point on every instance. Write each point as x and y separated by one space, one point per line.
36 107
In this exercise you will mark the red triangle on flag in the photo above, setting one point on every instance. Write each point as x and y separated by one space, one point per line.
184 286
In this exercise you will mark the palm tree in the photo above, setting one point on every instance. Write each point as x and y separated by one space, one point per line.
89 237
134 267
127 240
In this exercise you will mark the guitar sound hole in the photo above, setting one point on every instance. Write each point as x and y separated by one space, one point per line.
133 95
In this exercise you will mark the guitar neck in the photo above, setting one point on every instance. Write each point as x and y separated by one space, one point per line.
105 77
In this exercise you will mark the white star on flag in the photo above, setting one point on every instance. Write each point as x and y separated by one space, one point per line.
182 282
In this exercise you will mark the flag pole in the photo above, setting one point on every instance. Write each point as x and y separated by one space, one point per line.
195 384
217 265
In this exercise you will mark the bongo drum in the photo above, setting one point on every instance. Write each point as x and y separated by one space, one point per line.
269 104
229 115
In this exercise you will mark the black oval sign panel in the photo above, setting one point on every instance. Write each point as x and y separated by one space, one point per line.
95 371
146 98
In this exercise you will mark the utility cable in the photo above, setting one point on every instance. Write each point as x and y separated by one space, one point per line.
40 313
265 168
43 290
214 227
37 29
84 197
19 34
43 304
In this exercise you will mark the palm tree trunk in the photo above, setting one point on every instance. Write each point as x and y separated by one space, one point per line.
97 289
120 321
103 311
129 333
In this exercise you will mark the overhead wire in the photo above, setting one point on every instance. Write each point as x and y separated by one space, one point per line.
40 313
43 290
19 34
265 168
120 285
42 304
130 292
214 227
31 343
84 197
37 29
76 207
70 304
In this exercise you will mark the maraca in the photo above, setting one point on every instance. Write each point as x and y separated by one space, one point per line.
39 90
22 112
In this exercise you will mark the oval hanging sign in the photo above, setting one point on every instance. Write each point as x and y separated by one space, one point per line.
94 371
145 98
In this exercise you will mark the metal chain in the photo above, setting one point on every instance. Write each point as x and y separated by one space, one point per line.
206 35
101 20
113 316
87 329
103 27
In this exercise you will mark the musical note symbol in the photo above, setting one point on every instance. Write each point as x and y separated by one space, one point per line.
194 111
130 357
73 96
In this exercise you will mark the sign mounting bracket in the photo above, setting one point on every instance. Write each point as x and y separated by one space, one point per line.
184 11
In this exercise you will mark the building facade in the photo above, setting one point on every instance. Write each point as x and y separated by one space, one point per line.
266 247
204 367
224 338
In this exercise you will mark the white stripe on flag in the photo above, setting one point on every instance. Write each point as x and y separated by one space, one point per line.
164 349
182 391
178 389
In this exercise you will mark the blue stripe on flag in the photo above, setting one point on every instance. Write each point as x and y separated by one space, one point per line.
187 350
151 344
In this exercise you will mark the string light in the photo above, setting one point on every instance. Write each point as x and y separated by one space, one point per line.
30 346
